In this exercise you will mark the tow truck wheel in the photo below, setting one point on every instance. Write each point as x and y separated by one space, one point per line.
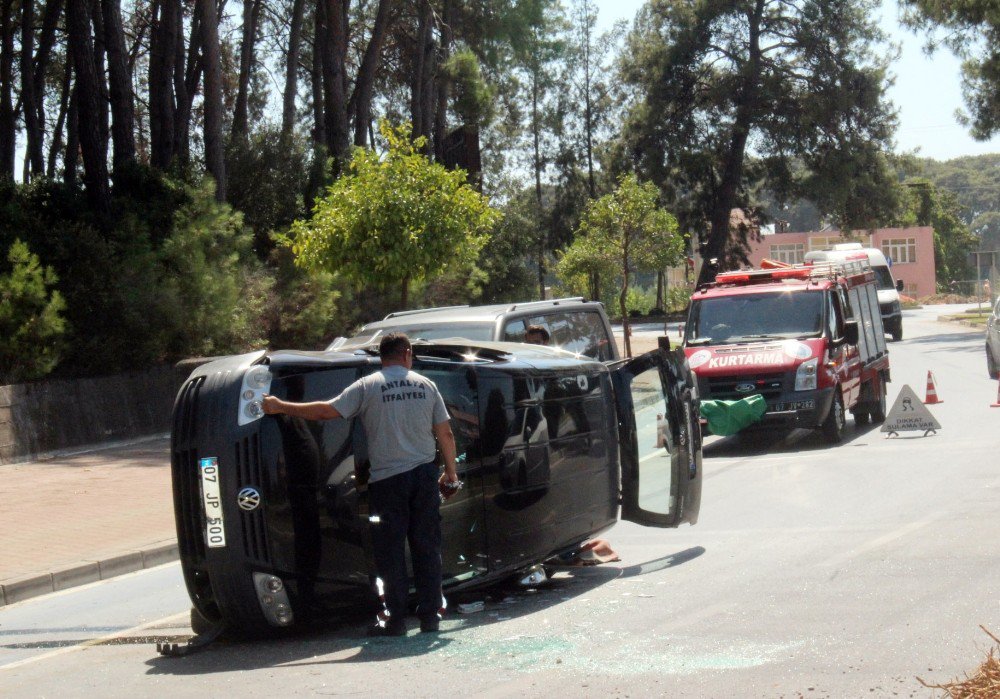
833 425
860 415
877 410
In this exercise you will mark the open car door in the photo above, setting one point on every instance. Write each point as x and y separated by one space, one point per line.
659 439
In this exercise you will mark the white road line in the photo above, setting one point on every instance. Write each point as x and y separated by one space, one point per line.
180 616
880 541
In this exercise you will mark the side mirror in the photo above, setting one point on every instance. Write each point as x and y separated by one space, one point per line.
663 342
851 331
899 285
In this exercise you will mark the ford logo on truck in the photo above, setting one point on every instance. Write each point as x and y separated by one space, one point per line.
744 387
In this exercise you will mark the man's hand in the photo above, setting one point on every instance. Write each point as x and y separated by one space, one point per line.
272 405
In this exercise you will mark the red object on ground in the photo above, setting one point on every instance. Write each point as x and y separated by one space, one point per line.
932 396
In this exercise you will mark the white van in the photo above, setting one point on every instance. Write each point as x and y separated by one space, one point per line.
888 289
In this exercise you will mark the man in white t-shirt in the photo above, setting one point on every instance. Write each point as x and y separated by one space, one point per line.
402 413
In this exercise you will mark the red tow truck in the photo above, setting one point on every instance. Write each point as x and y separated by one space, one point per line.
807 338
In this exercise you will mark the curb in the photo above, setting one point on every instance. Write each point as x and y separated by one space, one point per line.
34 585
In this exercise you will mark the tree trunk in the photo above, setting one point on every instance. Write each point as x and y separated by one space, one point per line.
8 119
100 56
660 288
120 79
29 98
162 56
622 298
536 128
361 100
443 83
72 138
588 109
187 76
248 45
292 69
215 161
724 197
334 78
56 145
421 100
316 74
88 106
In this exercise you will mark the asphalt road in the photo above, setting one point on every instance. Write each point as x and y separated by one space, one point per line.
814 571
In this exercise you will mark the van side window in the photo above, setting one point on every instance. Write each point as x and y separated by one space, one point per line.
577 331
514 331
835 318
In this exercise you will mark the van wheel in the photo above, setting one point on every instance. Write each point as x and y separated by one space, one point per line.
877 409
833 425
200 623
991 363
860 416
897 331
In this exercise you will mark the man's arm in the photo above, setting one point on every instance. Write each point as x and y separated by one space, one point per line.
446 439
318 410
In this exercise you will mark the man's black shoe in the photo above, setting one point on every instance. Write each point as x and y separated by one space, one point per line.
390 630
430 626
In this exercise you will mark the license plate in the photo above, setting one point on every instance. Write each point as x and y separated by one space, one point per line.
215 529
794 405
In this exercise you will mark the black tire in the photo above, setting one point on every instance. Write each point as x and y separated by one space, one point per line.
897 331
861 416
200 623
877 410
833 425
991 363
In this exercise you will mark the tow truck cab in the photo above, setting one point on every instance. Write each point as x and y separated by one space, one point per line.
807 338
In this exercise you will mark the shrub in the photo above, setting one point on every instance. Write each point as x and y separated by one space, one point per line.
31 321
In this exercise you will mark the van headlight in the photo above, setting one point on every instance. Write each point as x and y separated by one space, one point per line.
805 375
256 382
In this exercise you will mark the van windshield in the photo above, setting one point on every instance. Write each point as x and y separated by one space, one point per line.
884 277
754 317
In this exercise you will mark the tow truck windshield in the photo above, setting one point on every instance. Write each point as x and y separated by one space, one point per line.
781 315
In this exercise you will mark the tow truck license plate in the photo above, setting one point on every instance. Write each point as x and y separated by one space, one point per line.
794 405
215 530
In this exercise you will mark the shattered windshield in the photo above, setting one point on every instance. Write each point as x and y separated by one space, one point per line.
753 317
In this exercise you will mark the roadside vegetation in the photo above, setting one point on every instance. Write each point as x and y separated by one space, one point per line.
204 178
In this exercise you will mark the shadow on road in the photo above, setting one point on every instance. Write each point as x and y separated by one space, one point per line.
783 441
968 342
344 641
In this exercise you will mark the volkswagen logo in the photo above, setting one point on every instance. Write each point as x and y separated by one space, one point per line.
744 387
248 499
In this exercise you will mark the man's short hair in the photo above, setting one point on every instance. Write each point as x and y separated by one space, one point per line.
393 345
538 330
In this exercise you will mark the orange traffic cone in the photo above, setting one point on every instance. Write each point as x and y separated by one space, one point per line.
932 396
997 404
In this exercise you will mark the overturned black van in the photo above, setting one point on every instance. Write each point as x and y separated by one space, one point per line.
271 511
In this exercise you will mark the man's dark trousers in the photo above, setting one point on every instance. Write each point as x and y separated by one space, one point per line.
408 506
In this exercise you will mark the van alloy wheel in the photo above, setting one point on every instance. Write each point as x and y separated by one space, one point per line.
833 425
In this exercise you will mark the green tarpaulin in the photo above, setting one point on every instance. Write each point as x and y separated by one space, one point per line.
726 417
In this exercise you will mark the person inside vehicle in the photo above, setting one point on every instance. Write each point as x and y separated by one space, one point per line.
536 335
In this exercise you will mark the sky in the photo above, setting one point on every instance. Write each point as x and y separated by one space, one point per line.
927 90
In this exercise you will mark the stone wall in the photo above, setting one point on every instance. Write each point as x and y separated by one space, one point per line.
55 415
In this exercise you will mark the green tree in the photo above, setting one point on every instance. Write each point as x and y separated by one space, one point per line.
628 226
31 317
394 218
211 300
927 205
788 80
972 32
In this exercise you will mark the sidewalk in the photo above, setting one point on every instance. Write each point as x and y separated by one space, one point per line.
71 520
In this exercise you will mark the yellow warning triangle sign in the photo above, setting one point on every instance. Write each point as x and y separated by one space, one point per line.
909 414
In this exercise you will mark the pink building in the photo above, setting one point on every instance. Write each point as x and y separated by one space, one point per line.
910 251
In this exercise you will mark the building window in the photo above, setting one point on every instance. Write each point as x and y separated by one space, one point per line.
824 242
900 250
790 253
